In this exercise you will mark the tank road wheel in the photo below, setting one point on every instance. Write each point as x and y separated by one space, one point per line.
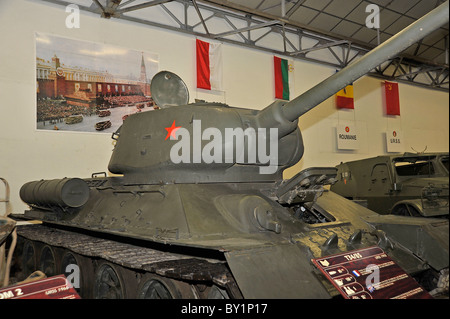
108 284
47 262
78 271
156 287
28 258
216 292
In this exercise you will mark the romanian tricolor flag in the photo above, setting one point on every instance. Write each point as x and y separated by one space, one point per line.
344 98
281 67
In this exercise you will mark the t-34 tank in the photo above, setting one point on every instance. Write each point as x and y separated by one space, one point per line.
200 209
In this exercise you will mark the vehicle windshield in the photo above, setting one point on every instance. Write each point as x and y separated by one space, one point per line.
415 166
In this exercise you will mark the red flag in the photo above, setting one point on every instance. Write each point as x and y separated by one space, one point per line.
203 65
392 98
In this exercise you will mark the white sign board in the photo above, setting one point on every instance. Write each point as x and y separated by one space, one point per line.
394 141
347 137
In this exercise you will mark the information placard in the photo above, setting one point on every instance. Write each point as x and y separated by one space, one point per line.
56 287
394 141
347 137
369 273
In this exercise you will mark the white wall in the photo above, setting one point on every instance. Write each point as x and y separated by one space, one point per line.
27 154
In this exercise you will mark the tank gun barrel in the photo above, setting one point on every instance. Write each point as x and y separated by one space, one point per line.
388 50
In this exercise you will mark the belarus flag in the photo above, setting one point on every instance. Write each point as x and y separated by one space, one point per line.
283 79
209 65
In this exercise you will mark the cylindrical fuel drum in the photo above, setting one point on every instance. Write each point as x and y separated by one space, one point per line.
66 192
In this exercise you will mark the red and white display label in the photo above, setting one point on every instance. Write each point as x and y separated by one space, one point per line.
56 287
369 273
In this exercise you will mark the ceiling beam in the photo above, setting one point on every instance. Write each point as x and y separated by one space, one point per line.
322 46
252 27
275 28
142 6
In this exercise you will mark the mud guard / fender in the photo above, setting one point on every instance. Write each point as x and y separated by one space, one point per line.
426 238
282 271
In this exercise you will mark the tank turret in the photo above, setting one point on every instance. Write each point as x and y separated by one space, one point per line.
199 208
216 143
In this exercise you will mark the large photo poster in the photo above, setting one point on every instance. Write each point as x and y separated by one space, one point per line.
90 87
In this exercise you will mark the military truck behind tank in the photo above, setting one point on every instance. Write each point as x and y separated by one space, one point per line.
406 185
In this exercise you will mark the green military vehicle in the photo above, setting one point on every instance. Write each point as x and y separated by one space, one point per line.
406 185
192 214
74 119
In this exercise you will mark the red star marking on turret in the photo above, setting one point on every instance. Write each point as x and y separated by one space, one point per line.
171 131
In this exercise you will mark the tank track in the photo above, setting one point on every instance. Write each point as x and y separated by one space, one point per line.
190 276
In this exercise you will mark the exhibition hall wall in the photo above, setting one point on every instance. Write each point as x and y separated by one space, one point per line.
28 154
